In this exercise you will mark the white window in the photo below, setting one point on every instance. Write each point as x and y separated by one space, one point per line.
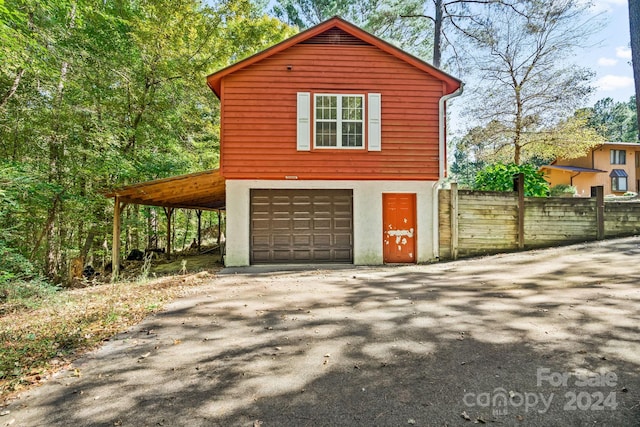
618 157
619 183
618 180
339 121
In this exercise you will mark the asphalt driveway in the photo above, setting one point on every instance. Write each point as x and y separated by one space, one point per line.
539 338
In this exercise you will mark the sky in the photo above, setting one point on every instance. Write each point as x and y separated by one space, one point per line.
611 58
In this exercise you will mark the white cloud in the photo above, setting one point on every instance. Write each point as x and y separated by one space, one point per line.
611 82
607 62
603 5
623 52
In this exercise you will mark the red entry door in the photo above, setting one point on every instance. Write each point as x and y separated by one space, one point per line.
399 227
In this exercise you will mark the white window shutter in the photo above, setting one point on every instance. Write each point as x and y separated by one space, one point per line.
375 123
304 121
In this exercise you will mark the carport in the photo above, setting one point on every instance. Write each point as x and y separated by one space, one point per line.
199 191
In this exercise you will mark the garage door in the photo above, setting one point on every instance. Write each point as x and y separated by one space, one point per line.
298 226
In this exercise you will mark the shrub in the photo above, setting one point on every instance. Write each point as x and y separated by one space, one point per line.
561 190
499 177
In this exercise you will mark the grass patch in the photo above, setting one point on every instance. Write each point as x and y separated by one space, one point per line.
19 295
43 332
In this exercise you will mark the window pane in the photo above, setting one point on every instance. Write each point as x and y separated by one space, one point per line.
619 184
618 157
351 108
351 134
326 134
326 108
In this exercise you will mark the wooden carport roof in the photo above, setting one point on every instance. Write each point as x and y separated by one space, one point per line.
200 190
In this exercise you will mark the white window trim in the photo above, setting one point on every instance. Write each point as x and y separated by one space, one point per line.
339 122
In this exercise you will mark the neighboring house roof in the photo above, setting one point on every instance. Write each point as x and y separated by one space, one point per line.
618 173
572 169
627 144
200 190
452 84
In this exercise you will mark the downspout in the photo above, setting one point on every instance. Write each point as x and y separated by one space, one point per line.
442 140
571 178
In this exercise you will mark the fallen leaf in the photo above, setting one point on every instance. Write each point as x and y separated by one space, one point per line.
257 423
3 413
411 421
144 356
465 416
480 421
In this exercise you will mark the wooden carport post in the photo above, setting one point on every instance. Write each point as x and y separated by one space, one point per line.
199 214
168 212
115 244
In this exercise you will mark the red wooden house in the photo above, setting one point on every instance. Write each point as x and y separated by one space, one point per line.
332 147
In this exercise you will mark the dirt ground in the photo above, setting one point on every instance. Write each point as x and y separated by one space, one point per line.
541 338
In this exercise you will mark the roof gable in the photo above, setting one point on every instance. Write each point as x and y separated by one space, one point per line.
335 31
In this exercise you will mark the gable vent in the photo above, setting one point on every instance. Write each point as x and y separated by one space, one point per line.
335 36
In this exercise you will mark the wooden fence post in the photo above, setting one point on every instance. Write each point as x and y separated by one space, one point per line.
453 211
518 186
598 193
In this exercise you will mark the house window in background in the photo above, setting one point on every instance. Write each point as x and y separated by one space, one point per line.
618 180
618 157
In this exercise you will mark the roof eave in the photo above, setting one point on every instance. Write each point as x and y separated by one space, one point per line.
452 83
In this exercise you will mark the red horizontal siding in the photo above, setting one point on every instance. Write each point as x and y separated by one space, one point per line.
259 116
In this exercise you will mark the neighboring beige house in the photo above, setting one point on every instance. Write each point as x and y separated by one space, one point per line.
614 165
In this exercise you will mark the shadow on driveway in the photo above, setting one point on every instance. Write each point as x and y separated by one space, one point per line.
539 338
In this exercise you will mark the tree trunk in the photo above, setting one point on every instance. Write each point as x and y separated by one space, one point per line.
47 226
517 128
634 27
88 243
56 175
14 87
437 36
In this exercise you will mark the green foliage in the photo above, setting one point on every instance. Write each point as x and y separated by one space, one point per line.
561 190
614 121
399 22
96 95
499 177
17 294
568 138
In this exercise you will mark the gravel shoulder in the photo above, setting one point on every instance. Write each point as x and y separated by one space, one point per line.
540 338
